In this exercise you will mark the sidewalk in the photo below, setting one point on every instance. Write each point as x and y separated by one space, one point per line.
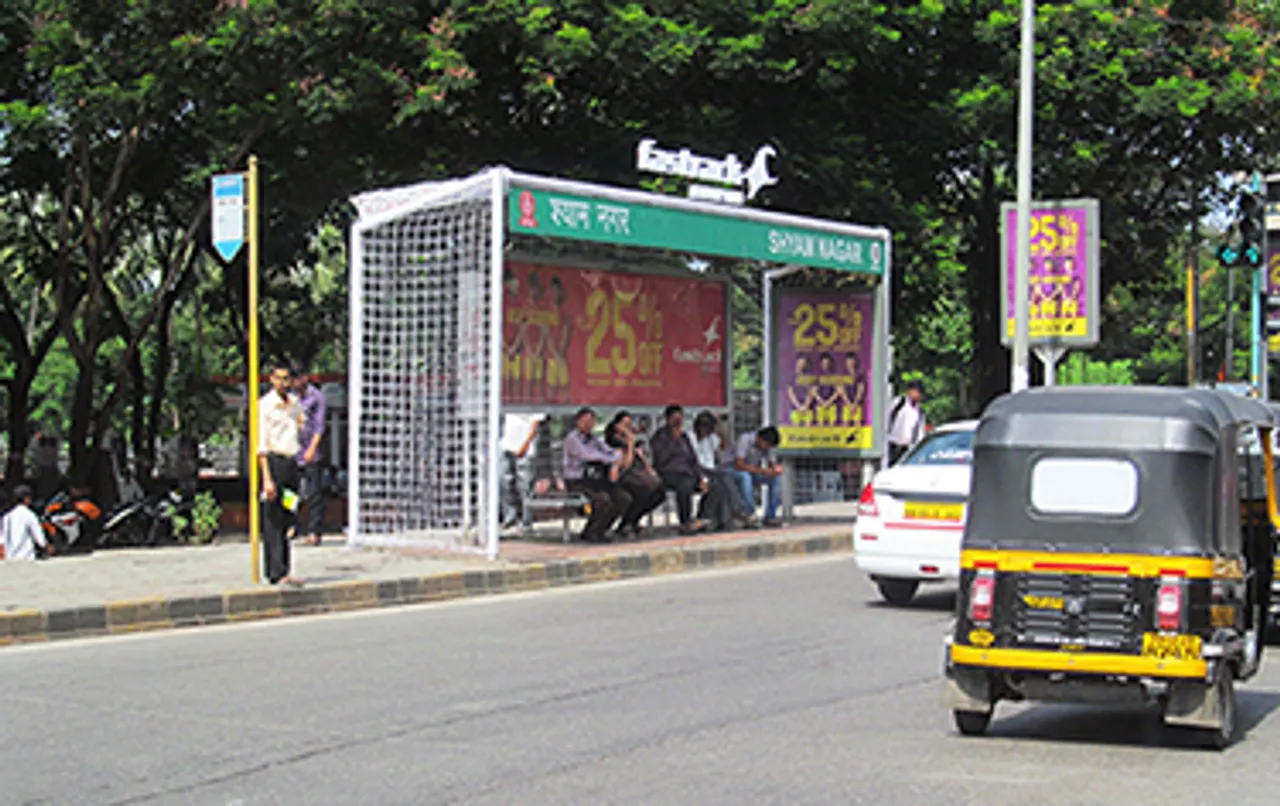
137 589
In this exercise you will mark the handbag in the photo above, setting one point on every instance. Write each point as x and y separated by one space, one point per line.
595 475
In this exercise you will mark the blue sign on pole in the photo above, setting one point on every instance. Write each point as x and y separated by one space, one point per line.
228 214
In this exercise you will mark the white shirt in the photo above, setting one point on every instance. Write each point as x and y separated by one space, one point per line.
907 427
278 424
22 533
707 449
515 430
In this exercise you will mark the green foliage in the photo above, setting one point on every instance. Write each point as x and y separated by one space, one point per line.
205 516
1080 370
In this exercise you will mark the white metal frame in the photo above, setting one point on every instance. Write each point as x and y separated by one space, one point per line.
495 183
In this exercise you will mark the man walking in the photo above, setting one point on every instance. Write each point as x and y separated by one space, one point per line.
279 421
20 532
592 468
310 468
906 421
755 465
677 464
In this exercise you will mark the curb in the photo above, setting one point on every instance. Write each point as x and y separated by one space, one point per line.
115 618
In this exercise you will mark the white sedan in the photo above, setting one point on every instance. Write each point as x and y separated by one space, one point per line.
911 516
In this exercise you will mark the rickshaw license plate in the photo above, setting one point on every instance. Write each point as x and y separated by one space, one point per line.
1171 647
918 511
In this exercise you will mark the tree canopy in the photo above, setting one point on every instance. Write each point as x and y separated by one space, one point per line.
114 115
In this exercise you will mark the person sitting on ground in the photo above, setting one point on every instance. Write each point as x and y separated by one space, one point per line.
638 478
755 464
591 468
23 539
677 464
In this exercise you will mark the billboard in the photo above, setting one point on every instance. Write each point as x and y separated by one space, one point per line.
823 350
594 337
1062 283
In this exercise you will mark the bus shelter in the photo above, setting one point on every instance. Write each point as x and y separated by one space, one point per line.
508 292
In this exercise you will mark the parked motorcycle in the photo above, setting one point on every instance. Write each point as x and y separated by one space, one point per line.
71 523
145 522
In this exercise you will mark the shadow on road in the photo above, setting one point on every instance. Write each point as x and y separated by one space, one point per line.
936 600
1111 726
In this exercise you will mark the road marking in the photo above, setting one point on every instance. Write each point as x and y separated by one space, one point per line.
764 566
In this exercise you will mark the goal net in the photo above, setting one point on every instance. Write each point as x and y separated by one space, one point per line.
422 449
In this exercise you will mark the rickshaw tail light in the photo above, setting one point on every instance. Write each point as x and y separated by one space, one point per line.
1169 605
982 596
867 503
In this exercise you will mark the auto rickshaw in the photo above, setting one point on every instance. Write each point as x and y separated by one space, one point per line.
1117 550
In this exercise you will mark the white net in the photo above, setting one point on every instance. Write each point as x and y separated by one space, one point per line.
420 442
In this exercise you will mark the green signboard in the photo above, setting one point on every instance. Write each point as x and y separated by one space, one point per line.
567 215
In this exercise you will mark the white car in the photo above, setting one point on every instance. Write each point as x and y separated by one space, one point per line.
911 516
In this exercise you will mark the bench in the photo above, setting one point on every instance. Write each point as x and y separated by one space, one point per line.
569 502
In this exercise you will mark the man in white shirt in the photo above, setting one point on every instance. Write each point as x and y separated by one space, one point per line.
21 529
279 423
906 421
519 437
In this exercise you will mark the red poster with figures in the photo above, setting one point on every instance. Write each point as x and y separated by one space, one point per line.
590 337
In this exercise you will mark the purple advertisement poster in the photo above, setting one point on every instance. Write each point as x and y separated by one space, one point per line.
1273 271
1062 279
824 370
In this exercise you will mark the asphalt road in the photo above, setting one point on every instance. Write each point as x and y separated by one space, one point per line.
784 683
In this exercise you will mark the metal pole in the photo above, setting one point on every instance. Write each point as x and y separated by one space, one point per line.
1262 294
1228 360
251 383
1193 306
1255 330
1019 374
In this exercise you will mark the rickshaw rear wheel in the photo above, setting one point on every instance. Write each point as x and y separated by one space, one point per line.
1221 737
972 723
897 592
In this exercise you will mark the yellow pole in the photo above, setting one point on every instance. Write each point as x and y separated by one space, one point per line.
255 508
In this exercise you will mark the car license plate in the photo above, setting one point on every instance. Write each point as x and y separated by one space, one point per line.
919 511
1171 647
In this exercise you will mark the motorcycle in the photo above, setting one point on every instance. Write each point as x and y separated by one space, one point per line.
145 522
69 521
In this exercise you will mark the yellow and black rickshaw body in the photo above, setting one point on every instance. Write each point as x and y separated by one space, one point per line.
1115 552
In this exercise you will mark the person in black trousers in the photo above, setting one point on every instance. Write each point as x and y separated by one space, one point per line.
279 421
676 462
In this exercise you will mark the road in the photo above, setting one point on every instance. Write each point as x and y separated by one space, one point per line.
784 683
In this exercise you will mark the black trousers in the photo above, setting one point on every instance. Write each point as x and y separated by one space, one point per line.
276 519
647 494
896 452
684 486
607 505
313 486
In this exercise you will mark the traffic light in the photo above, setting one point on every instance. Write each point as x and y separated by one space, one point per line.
1249 224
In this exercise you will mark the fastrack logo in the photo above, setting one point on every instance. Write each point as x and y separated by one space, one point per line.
695 356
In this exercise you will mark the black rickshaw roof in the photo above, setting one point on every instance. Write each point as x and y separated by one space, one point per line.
1123 417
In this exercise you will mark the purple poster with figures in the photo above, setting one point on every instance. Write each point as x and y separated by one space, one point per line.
1062 281
823 371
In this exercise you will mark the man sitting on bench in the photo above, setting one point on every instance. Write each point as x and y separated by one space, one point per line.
591 468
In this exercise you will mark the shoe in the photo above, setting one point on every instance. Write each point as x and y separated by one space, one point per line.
773 523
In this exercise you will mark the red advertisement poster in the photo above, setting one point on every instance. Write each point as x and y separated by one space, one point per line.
585 337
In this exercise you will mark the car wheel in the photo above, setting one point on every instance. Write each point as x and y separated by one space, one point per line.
898 592
971 723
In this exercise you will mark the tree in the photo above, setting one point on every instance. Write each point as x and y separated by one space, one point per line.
120 111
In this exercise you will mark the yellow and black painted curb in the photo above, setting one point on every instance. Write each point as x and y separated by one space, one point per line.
27 626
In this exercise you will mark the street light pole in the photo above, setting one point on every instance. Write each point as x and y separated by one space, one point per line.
1019 372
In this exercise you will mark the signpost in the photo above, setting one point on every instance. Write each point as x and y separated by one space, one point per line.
1062 278
228 234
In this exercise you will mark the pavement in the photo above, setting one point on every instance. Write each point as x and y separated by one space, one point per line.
127 590
776 683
